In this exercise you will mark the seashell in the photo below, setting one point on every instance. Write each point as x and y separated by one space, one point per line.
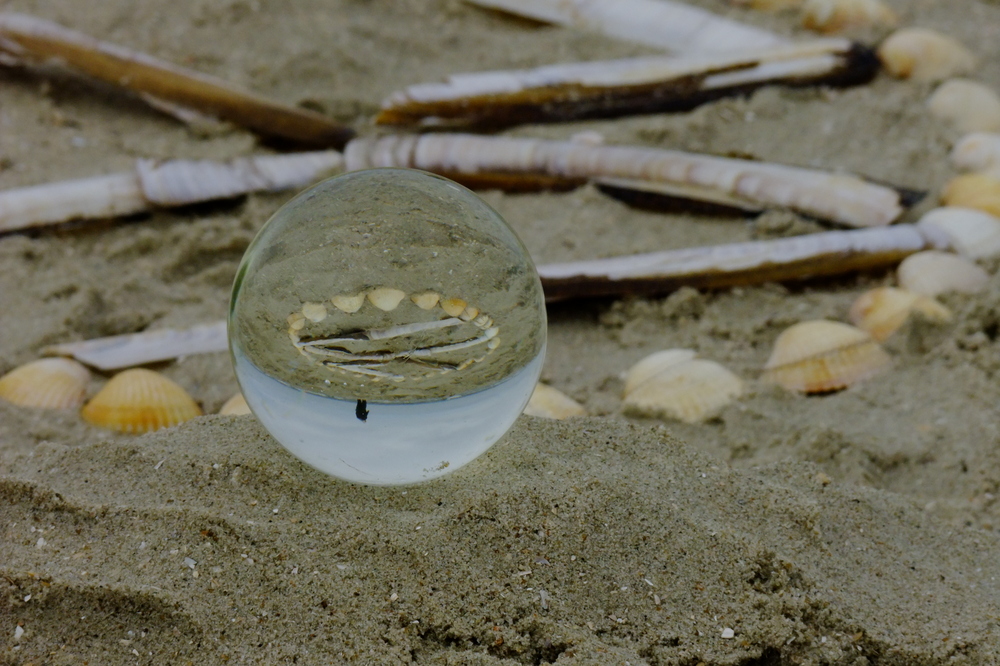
770 5
49 383
972 233
835 15
235 406
933 272
968 105
426 300
924 55
978 151
551 403
973 190
823 356
348 303
138 401
386 298
674 384
314 312
880 312
454 307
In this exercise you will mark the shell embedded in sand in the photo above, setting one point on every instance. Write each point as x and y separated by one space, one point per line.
933 272
974 190
924 55
235 406
139 400
454 306
386 298
426 300
823 356
49 383
835 15
882 311
674 384
972 233
348 303
968 105
977 151
551 403
314 312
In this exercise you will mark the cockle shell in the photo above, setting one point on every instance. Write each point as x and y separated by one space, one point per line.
140 400
49 383
972 233
978 151
386 298
235 406
932 272
924 55
973 190
551 403
348 303
823 356
968 105
835 15
674 384
882 311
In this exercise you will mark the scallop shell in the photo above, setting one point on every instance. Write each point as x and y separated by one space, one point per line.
978 151
235 406
973 190
972 233
49 383
881 311
968 105
674 384
551 403
933 272
924 55
138 401
835 15
823 356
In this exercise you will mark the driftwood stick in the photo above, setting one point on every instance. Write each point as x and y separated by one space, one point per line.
26 37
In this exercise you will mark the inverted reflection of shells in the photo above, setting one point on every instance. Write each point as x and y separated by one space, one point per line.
924 55
673 384
138 401
882 311
49 383
933 272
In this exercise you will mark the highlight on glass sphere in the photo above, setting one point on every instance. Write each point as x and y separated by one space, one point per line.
387 326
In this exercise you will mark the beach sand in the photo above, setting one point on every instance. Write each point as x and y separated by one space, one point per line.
854 528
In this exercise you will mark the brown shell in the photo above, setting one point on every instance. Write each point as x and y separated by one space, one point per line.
139 400
235 406
932 272
980 191
551 403
823 356
672 384
49 383
882 311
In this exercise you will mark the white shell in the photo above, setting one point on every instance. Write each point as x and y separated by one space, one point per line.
932 273
386 298
835 15
426 300
883 310
924 55
978 151
314 312
970 232
673 384
551 403
348 303
968 105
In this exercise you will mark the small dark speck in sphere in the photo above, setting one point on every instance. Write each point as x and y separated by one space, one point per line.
361 411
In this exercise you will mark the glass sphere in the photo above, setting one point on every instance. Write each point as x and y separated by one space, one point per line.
387 326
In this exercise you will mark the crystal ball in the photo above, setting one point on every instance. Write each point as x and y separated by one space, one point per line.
387 326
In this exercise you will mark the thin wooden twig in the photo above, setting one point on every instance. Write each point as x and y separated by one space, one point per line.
29 38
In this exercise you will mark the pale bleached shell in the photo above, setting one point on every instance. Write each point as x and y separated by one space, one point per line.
933 272
426 300
968 105
453 306
348 303
386 298
551 403
140 400
314 312
49 383
235 406
822 356
978 151
924 55
973 190
670 386
834 15
882 311
970 232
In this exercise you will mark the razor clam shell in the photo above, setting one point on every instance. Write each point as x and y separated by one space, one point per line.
664 24
123 351
612 88
753 262
978 151
101 196
512 162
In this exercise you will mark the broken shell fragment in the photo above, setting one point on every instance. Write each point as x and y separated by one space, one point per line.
348 303
836 15
924 55
673 384
968 105
933 272
551 403
138 401
386 298
882 311
970 232
974 190
235 406
823 356
978 151
49 383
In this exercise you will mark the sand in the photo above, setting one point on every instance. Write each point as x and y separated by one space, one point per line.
854 528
